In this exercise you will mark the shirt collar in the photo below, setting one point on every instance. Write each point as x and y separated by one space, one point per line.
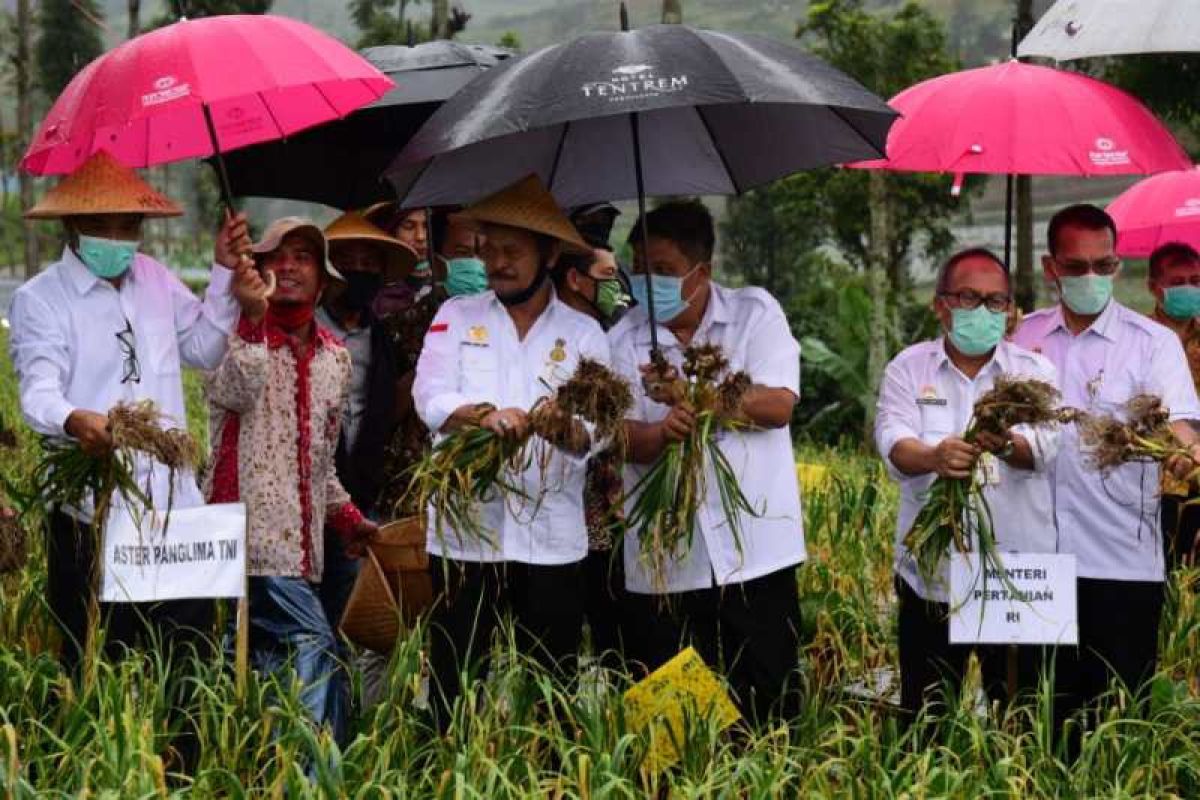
1104 325
998 362
82 278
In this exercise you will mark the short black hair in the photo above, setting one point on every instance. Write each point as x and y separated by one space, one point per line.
1082 215
1171 251
947 269
687 223
571 260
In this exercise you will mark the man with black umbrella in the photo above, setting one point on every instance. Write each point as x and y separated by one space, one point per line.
737 602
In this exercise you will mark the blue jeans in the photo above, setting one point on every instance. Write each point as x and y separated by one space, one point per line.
289 629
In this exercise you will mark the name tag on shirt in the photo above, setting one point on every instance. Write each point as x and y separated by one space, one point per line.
931 401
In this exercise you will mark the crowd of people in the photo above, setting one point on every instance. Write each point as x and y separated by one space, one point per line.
335 358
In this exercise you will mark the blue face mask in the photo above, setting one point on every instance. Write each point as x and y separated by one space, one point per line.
1181 302
465 276
1086 294
976 331
669 302
107 258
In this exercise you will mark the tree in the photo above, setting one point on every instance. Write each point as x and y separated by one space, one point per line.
194 9
770 233
672 12
69 37
133 10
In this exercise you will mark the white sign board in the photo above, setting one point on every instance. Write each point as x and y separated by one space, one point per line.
202 553
1030 601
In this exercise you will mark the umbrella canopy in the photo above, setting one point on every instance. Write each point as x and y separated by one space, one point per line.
340 164
1087 28
151 100
1161 209
1021 119
714 113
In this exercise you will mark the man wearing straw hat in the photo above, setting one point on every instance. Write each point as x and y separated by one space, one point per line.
276 407
107 324
368 258
488 358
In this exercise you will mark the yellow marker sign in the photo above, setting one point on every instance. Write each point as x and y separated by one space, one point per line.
813 478
682 686
477 334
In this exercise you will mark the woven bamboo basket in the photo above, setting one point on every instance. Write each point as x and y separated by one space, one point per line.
393 587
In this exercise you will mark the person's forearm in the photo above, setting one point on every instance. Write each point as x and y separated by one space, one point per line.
1184 432
466 416
768 407
913 457
646 441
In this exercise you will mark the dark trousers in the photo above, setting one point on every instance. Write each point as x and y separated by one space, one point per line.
179 626
750 630
1181 525
604 604
1118 638
544 602
337 579
930 665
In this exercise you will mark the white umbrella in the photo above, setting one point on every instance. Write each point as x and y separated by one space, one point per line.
1073 29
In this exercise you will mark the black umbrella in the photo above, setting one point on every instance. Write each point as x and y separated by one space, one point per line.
664 110
339 164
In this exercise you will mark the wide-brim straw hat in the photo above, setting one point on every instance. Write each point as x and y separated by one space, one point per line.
399 258
103 185
527 205
274 235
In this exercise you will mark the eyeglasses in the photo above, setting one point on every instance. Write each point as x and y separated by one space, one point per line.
132 370
970 299
1078 266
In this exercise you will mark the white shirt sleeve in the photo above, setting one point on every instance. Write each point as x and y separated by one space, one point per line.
1043 439
38 347
1171 379
896 414
772 353
203 328
436 392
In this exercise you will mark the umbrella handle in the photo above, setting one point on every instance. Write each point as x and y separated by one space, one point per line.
222 175
641 198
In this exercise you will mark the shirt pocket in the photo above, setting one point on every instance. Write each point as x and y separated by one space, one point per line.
937 422
161 349
478 371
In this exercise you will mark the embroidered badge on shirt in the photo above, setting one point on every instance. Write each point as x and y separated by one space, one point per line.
559 353
928 397
477 335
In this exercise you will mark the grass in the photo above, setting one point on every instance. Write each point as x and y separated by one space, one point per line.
523 735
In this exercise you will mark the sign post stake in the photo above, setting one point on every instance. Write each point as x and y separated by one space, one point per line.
242 641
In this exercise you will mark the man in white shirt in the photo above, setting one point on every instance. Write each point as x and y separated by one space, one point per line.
925 404
1105 354
107 324
487 359
738 608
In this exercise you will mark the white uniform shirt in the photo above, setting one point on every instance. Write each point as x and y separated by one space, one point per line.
1110 522
924 396
67 356
751 328
472 355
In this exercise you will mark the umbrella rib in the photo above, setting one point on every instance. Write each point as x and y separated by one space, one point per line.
562 143
838 112
717 148
267 107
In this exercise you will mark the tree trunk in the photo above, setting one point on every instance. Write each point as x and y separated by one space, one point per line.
878 254
439 26
25 130
672 12
135 18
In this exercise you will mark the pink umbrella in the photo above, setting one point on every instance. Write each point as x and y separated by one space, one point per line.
200 87
1161 209
1020 119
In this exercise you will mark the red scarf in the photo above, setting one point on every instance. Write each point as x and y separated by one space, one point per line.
290 316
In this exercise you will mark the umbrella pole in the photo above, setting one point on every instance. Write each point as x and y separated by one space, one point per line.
222 175
641 198
1008 214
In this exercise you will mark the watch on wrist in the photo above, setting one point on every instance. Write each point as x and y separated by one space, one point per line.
1006 452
